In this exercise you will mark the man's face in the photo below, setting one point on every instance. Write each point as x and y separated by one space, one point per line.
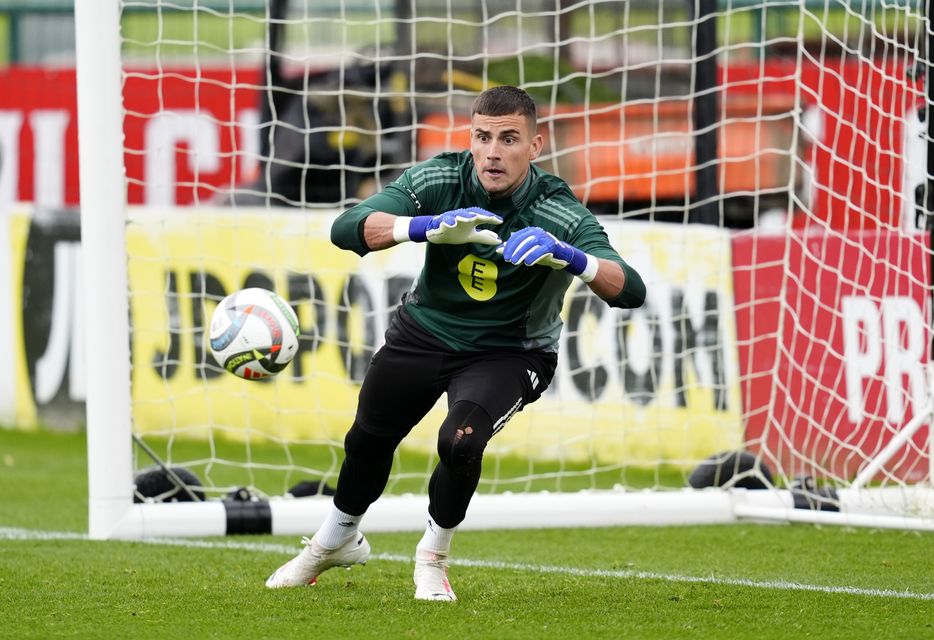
502 149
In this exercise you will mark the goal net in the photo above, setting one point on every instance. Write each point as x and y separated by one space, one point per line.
761 164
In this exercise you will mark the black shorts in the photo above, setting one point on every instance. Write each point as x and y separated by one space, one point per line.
411 371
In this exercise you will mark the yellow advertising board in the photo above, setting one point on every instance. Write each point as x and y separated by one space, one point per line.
16 402
641 386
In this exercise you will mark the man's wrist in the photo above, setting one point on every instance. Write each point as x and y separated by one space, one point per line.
590 270
406 229
582 265
400 229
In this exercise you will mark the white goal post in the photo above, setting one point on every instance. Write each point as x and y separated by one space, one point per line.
763 165
98 70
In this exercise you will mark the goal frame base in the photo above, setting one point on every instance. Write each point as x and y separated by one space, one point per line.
875 508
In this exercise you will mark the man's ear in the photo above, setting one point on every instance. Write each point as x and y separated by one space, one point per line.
537 143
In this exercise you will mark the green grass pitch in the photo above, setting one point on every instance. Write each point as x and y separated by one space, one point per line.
743 581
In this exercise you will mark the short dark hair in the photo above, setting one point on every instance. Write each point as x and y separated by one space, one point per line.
505 100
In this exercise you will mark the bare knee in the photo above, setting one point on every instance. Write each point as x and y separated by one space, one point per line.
463 435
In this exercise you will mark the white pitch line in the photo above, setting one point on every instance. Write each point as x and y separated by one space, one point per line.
623 574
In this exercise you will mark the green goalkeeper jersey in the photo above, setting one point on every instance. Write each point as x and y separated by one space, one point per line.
467 295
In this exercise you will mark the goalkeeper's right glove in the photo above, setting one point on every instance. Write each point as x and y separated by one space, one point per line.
533 245
451 227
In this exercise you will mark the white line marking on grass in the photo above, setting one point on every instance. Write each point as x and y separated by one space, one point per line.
7 533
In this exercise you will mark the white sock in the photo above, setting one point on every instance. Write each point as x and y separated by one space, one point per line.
437 539
338 527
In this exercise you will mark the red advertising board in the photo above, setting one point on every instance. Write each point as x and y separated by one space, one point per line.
38 135
851 138
833 333
192 131
188 132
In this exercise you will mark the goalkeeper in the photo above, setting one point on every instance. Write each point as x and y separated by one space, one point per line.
481 323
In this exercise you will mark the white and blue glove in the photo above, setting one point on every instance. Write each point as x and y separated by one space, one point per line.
451 227
533 245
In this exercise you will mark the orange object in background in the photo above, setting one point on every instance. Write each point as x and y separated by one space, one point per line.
645 151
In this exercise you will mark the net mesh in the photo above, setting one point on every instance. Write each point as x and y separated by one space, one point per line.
794 327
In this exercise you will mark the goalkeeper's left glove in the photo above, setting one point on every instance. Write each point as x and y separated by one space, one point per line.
533 245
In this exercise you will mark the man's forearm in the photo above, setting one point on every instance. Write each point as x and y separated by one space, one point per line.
377 231
609 281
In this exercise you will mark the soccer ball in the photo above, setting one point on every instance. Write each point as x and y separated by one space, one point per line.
254 333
